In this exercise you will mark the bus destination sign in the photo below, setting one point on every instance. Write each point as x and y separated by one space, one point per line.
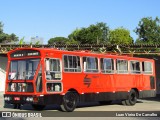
25 53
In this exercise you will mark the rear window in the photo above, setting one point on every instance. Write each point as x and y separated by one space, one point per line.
147 67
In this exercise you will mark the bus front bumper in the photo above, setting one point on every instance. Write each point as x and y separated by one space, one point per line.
32 99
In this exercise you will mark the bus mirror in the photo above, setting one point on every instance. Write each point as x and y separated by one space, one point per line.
47 65
84 67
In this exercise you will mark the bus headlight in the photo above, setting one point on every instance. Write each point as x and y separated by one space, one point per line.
7 98
29 99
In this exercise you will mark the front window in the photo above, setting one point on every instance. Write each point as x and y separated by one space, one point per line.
23 69
20 87
147 67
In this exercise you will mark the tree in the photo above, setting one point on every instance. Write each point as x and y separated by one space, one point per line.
6 38
73 36
58 40
1 28
97 33
2 37
148 30
13 37
120 36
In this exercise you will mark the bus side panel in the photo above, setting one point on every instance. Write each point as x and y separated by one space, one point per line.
106 83
72 81
125 82
103 96
148 82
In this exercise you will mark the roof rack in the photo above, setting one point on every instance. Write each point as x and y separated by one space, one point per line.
87 51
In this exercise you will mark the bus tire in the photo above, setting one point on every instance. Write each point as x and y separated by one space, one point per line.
105 102
124 102
69 102
38 107
132 98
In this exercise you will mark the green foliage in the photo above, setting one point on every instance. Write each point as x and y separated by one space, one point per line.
1 28
6 38
94 34
2 37
120 36
58 40
21 41
37 43
148 30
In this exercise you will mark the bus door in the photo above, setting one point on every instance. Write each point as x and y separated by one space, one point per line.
53 75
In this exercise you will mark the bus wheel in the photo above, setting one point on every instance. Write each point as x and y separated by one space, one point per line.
69 102
132 98
124 102
105 102
38 107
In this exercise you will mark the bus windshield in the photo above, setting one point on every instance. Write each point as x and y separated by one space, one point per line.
23 69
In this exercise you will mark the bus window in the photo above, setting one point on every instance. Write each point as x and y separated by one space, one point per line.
90 64
23 69
122 66
20 87
107 65
54 72
54 87
135 67
71 63
147 67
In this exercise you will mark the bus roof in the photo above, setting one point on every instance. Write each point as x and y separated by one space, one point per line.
78 52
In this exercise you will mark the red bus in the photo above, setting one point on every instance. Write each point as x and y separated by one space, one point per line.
44 76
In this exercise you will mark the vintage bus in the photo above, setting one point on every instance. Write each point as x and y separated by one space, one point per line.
44 76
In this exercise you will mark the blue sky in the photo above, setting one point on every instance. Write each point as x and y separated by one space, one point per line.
53 18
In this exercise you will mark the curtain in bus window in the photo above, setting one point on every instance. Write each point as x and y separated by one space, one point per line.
107 65
39 81
55 72
134 67
21 69
13 69
32 67
65 62
122 66
54 65
70 61
78 64
91 64
74 62
147 67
